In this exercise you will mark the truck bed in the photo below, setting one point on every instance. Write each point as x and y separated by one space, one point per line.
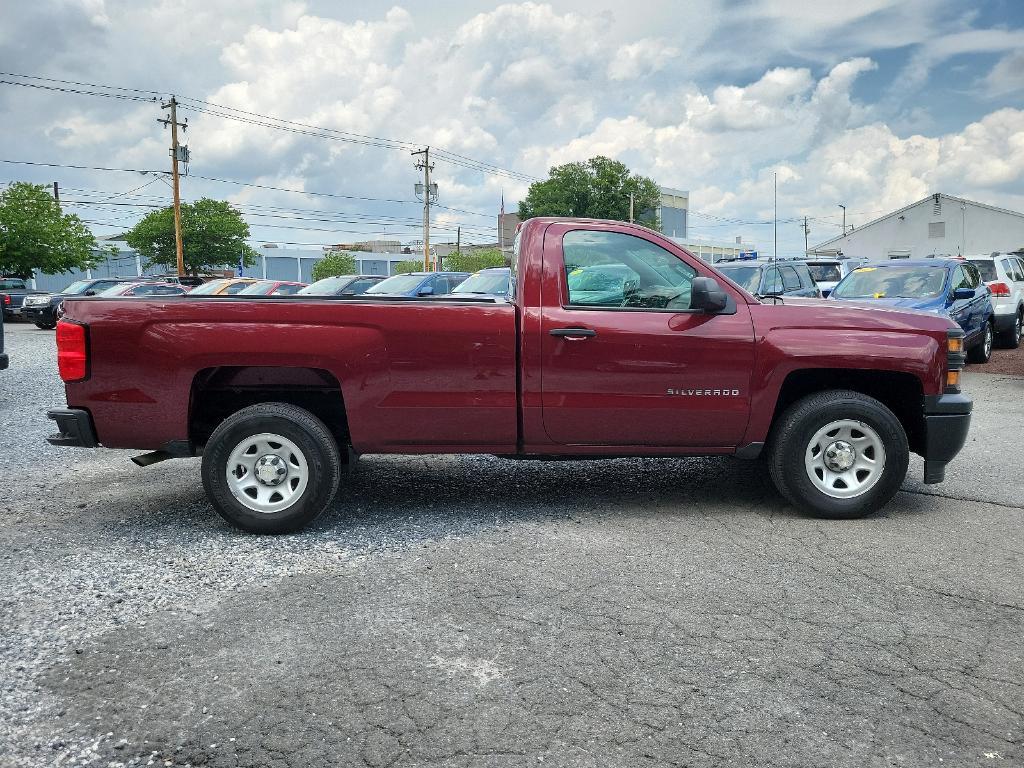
411 371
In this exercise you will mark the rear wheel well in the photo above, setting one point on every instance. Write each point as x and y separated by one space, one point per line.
900 392
219 392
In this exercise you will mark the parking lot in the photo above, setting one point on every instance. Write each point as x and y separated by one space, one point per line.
471 611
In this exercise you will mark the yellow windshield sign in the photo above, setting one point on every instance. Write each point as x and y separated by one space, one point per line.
865 269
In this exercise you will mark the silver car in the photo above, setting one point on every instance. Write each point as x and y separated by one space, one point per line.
1003 273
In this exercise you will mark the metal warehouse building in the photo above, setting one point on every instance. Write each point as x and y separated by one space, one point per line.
939 225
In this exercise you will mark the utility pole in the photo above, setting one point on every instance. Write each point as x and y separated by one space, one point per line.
428 192
177 153
56 192
844 217
458 241
807 231
630 207
775 250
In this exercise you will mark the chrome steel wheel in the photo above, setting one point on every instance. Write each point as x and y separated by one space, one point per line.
267 472
1018 328
845 459
988 339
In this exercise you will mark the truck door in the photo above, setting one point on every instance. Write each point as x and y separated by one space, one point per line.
624 360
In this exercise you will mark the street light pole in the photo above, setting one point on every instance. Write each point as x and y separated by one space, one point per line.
844 218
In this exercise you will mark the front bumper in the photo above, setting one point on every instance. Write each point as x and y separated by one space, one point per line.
40 314
76 429
947 419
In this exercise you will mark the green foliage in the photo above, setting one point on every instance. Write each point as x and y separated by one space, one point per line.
36 236
598 188
334 264
213 235
411 265
473 261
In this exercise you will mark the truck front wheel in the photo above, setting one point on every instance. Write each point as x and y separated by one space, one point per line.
271 468
838 454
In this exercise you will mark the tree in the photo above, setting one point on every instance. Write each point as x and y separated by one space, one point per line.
213 235
334 264
598 188
36 236
474 261
411 265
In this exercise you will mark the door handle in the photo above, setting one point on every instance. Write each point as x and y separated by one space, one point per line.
573 334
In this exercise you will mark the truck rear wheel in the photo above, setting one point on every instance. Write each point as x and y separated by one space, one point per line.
271 468
838 454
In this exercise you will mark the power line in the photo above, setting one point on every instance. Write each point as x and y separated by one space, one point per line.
260 119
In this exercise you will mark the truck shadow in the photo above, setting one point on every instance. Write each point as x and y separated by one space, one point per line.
468 490
400 497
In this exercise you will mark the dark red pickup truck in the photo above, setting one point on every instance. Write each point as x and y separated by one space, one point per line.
614 341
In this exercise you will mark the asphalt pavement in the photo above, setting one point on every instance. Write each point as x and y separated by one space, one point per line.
469 611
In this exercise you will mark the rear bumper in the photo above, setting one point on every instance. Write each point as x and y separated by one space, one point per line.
1004 322
947 419
76 429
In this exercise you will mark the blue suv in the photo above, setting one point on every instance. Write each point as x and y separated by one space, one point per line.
951 287
418 284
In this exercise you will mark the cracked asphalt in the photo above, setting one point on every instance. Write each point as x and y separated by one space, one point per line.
468 611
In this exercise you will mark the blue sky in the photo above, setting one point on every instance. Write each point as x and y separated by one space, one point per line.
868 103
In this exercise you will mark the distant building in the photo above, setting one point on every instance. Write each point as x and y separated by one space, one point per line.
673 212
507 224
939 225
713 251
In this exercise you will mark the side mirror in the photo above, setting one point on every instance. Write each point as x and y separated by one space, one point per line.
707 295
425 291
963 293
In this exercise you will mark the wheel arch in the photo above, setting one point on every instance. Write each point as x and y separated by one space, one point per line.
898 391
218 392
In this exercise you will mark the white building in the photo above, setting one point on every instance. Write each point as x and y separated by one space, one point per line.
939 225
713 251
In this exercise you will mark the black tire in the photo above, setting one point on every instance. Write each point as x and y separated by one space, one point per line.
308 433
791 438
1010 338
45 326
982 351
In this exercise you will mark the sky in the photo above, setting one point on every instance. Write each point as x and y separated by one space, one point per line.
866 103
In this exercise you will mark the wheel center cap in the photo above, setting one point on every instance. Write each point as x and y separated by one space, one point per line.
840 456
270 469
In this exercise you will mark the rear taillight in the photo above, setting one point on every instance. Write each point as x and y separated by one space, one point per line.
72 351
7 299
1000 289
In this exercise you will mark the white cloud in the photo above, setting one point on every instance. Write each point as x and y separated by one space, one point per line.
1007 76
641 58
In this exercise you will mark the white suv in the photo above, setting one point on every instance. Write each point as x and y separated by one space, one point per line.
1003 273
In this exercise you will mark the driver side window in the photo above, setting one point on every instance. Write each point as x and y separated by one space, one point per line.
615 270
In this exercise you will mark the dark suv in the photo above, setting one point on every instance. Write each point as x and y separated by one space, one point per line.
771 278
41 309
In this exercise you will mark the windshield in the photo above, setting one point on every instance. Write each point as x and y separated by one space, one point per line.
326 287
117 290
397 284
262 288
825 273
987 269
485 282
79 286
892 283
749 278
207 289
6 285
